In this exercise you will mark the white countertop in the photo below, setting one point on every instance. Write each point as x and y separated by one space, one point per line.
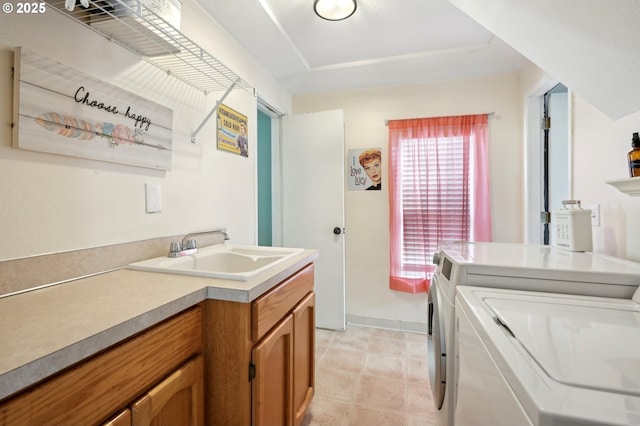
49 329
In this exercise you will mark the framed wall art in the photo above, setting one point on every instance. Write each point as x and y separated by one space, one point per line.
364 169
231 131
60 110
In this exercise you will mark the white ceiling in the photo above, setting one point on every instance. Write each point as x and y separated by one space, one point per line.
386 42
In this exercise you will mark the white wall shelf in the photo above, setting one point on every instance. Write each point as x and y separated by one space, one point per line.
630 186
134 26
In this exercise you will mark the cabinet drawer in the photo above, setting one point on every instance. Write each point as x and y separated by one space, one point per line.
270 308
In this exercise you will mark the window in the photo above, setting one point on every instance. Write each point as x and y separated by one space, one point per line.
438 191
433 168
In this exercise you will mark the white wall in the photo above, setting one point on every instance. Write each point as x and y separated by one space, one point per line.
367 239
591 47
51 203
601 146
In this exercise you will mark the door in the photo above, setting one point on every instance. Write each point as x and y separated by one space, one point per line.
272 387
556 155
177 400
264 180
312 151
557 170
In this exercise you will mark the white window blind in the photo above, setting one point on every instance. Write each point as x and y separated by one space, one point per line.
436 202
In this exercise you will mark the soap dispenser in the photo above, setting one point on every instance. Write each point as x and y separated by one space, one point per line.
634 156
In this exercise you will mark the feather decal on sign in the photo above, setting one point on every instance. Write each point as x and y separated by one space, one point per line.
65 125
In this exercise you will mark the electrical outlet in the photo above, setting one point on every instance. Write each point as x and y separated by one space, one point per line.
153 196
595 213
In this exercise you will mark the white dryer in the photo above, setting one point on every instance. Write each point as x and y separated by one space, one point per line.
529 358
508 266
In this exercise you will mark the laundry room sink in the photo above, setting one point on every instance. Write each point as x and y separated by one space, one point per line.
220 261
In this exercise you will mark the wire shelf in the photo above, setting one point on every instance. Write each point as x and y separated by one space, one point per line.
134 26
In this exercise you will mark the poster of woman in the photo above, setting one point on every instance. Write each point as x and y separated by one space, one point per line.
232 131
365 169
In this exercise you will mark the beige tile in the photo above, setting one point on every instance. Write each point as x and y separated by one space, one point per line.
419 400
417 370
358 329
337 384
415 336
356 338
369 376
325 411
417 420
382 392
323 340
367 415
385 365
389 347
324 337
344 359
387 334
417 348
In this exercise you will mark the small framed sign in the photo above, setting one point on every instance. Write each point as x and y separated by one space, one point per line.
364 169
232 131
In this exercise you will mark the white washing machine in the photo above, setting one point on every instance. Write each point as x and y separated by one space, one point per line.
508 266
529 358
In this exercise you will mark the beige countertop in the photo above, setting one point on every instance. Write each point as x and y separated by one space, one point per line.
49 329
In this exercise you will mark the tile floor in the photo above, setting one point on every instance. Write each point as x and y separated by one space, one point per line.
370 376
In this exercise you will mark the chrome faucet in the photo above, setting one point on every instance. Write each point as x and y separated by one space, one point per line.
188 244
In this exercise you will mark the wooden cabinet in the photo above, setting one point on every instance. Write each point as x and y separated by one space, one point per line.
218 363
304 329
121 419
259 356
177 400
284 368
102 388
272 389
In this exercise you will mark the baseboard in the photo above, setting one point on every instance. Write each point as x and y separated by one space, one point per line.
416 327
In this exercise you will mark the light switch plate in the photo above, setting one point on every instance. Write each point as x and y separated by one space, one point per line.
595 213
153 192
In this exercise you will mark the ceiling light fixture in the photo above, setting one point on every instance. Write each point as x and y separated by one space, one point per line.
334 10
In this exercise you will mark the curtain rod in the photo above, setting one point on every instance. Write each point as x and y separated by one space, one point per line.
386 122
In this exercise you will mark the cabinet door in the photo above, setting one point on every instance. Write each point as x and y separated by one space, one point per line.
304 327
177 400
121 419
273 382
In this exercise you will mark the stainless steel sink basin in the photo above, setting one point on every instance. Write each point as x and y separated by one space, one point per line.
220 261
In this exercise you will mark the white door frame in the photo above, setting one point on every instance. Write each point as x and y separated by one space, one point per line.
533 161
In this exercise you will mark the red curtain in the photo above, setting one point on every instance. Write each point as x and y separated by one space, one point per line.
438 190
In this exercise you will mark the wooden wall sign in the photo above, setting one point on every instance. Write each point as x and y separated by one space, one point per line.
60 110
